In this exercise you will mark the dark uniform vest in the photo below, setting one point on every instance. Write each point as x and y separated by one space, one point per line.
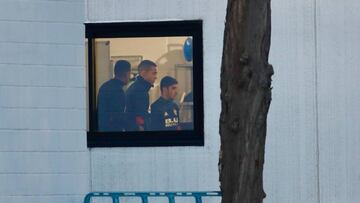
164 115
137 105
111 106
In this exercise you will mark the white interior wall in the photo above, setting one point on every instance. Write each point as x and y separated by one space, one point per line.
43 154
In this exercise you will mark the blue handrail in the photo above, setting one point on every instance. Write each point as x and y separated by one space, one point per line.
115 196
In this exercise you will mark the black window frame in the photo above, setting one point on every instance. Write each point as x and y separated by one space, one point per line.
193 137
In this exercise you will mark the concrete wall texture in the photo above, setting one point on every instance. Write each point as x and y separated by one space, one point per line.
312 152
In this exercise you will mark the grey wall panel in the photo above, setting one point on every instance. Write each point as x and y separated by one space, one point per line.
42 118
43 199
42 32
43 154
42 75
43 184
290 173
42 54
154 169
42 97
338 39
44 162
43 140
42 11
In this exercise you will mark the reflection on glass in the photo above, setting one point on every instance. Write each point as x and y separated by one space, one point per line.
144 84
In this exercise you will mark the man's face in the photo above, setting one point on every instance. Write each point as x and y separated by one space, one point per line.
171 91
150 74
126 77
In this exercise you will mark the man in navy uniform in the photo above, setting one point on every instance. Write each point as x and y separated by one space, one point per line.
137 102
111 99
164 111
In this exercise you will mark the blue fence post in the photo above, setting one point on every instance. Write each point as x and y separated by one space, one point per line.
115 199
144 198
198 199
171 198
87 198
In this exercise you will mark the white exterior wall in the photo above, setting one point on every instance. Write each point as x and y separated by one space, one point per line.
312 149
166 168
291 173
310 129
338 42
43 154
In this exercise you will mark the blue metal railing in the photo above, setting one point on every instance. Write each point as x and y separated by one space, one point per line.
115 196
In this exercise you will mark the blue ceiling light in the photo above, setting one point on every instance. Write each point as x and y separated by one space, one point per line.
188 47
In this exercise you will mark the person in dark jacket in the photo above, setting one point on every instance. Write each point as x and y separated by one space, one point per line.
111 99
164 111
137 103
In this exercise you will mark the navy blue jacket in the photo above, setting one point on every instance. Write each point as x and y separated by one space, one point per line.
137 105
164 115
111 106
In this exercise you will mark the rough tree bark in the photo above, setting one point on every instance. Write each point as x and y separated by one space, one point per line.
245 94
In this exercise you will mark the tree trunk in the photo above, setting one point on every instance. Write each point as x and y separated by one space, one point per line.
246 95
